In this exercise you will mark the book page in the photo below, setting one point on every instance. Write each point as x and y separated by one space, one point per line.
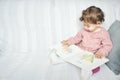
80 58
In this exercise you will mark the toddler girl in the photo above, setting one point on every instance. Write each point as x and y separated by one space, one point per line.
92 37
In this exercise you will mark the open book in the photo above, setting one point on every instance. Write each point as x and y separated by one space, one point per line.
78 57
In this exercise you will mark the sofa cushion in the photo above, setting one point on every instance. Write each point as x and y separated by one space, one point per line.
114 55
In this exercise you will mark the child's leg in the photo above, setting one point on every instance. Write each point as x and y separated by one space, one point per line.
96 70
85 75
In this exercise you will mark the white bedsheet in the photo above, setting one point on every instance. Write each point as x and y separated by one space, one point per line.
66 71
105 74
63 71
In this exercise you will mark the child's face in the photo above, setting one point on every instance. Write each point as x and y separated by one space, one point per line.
91 27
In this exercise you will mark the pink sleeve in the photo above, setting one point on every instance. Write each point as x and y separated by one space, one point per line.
106 44
76 39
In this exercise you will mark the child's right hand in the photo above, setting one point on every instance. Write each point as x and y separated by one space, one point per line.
65 44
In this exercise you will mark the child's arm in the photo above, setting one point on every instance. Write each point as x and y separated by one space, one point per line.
73 40
106 46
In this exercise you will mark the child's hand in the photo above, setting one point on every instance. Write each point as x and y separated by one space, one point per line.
99 55
65 44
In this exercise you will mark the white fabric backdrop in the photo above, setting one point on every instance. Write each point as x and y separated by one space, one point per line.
29 27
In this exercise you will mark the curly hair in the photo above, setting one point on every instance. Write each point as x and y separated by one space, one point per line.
92 15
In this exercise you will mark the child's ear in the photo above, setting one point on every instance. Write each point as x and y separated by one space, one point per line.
98 22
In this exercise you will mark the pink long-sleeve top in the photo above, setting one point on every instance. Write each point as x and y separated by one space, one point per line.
93 41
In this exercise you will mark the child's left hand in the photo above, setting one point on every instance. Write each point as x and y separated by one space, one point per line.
99 55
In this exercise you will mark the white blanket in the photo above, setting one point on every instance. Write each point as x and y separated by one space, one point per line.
105 74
